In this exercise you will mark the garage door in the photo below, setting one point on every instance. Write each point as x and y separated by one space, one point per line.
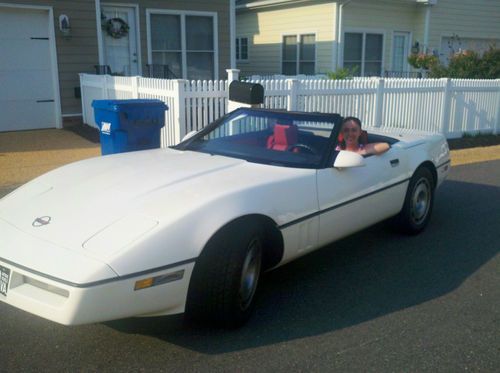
26 78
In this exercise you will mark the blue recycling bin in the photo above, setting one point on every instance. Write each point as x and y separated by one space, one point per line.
129 125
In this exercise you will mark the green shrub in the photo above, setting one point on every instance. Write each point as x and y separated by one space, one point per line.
422 60
490 64
344 73
469 65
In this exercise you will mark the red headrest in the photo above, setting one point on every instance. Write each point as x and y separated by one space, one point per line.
284 136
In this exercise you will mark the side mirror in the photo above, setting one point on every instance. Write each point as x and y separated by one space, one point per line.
188 135
347 159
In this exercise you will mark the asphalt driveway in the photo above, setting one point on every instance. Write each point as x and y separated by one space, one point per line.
394 303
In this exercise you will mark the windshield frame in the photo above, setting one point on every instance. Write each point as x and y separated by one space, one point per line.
325 159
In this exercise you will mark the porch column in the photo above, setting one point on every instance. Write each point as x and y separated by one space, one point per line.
426 27
428 4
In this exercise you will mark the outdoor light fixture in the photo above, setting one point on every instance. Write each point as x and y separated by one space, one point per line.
415 47
64 26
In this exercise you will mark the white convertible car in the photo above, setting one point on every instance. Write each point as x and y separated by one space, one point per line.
191 228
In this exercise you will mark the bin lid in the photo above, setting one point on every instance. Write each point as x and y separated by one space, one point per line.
117 105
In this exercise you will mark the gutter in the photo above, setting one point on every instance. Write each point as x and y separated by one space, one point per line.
232 33
267 3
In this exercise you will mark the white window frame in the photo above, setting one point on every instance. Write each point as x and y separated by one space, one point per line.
297 43
364 32
237 49
183 14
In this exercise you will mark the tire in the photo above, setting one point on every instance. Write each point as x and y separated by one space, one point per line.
226 277
418 204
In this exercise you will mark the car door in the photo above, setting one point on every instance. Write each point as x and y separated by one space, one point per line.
351 199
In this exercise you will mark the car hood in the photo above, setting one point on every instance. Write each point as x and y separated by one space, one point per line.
71 204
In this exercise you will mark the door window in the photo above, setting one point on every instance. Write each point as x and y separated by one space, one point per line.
166 42
400 51
120 53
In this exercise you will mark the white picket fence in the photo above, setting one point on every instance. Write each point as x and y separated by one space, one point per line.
449 106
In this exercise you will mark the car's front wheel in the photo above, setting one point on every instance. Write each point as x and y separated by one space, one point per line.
419 200
226 276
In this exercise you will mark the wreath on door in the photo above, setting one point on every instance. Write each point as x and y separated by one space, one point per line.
116 28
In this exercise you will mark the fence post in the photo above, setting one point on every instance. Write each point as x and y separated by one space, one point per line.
135 86
179 110
293 86
232 74
379 103
105 87
445 114
496 129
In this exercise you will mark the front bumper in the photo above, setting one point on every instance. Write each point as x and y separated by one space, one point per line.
80 304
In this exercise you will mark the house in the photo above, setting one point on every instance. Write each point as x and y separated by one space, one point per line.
374 38
45 44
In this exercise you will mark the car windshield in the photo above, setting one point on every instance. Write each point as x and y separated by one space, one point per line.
267 136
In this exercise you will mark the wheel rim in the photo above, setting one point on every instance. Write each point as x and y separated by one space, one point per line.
420 201
250 274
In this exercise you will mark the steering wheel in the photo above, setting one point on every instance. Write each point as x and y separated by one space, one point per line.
305 147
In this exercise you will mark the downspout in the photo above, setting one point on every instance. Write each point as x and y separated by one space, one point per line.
232 33
100 50
340 38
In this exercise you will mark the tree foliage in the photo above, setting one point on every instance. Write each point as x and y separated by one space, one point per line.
343 73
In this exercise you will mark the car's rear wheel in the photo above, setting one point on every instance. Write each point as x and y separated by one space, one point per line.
226 276
418 204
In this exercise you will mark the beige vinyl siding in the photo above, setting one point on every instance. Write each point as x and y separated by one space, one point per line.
265 30
383 17
478 19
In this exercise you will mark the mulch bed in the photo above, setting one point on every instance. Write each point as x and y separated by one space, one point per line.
89 133
474 141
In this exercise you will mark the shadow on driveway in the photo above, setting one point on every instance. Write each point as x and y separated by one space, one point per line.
368 275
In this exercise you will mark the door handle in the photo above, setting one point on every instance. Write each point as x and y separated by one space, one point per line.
394 162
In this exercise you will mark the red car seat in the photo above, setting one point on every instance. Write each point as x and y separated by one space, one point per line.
284 136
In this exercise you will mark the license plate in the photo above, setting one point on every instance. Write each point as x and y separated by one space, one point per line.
4 280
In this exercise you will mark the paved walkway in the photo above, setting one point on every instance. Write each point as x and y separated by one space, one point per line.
25 155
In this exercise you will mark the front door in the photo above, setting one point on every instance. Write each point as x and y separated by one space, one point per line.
400 51
119 34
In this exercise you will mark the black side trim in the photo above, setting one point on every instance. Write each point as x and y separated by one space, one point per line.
100 282
32 38
299 220
39 101
443 164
